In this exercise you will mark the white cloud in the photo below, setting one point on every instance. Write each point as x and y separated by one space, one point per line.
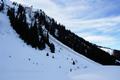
103 24
100 39
103 40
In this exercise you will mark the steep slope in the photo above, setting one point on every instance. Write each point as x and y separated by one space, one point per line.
33 27
19 61
115 53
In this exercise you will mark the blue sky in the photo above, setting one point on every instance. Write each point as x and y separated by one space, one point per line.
97 21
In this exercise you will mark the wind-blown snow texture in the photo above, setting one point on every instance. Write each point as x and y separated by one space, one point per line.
19 61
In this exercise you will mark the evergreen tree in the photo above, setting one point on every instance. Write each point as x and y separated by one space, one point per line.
42 44
1 5
73 63
34 35
52 48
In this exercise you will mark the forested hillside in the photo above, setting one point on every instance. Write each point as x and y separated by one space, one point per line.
34 28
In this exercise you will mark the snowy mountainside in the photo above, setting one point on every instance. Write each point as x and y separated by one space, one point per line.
19 61
113 52
110 51
17 57
33 27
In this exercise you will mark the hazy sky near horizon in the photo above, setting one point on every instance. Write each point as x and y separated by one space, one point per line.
97 21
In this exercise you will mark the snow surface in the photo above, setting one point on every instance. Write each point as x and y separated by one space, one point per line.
19 61
102 73
110 51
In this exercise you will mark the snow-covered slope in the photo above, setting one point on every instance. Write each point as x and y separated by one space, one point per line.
19 61
108 50
103 73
